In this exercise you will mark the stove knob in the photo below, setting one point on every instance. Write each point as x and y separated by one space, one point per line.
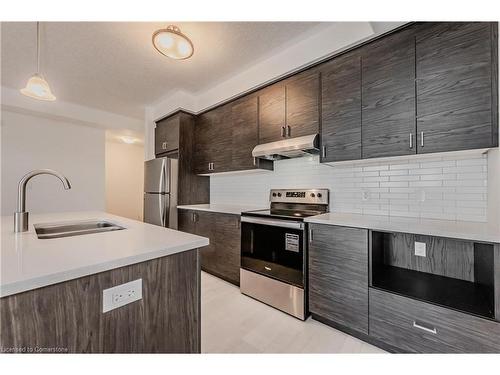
319 195
312 195
274 194
279 194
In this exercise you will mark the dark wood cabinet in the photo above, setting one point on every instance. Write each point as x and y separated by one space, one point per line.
179 132
167 135
289 108
226 136
68 315
341 108
272 115
302 104
456 89
338 275
222 256
388 96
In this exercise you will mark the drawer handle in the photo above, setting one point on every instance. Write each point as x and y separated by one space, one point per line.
267 268
419 325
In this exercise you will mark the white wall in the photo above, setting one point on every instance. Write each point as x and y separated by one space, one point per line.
30 142
124 179
451 186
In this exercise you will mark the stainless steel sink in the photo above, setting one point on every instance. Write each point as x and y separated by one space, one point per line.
74 228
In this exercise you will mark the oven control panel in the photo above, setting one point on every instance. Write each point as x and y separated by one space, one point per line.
307 196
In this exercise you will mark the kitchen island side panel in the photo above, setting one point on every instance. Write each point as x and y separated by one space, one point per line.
68 317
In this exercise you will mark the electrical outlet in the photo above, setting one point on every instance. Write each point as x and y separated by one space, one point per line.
365 195
420 249
121 295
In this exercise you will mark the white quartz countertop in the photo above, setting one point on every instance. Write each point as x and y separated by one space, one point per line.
443 228
28 262
221 208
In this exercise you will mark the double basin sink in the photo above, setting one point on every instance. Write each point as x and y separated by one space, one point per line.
74 228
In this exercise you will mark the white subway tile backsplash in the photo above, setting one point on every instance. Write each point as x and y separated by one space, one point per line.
451 187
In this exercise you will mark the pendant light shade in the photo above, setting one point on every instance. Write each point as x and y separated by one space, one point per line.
172 43
37 87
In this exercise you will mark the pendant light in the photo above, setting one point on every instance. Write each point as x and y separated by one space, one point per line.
37 87
172 43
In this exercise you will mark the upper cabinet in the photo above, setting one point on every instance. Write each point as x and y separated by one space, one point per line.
341 108
302 104
289 108
167 135
430 87
226 136
388 96
456 86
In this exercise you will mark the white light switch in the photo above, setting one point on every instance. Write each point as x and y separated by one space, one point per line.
420 249
121 295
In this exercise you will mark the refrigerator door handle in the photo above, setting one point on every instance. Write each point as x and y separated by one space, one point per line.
161 202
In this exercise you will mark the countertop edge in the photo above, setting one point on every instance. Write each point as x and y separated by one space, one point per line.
220 210
390 228
47 280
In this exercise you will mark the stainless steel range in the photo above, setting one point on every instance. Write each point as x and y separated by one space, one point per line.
274 249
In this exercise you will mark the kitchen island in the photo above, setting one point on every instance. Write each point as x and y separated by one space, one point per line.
52 289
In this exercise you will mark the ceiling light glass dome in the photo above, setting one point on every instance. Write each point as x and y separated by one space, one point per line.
172 43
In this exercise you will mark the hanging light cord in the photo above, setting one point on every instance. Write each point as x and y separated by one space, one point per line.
38 47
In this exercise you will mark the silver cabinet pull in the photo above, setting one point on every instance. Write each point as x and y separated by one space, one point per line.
323 151
411 140
209 166
310 235
420 325
164 145
288 131
255 162
213 166
421 139
283 131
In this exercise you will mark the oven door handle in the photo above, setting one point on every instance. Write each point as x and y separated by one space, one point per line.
273 223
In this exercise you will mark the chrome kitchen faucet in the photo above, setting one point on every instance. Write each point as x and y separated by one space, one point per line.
21 216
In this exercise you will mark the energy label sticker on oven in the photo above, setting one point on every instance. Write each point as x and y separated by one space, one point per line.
292 242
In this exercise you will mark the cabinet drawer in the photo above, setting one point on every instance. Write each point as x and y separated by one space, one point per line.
419 327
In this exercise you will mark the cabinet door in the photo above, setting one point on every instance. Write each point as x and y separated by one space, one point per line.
227 240
204 134
341 109
338 275
272 113
388 96
302 104
221 143
455 69
167 135
245 132
186 221
205 227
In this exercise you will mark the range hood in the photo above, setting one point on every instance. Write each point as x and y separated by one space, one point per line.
288 148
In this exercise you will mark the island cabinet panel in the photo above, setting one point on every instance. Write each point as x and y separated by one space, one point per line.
456 106
68 317
338 275
388 95
302 104
221 257
341 108
418 327
272 113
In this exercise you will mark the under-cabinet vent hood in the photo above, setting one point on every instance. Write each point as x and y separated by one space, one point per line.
288 148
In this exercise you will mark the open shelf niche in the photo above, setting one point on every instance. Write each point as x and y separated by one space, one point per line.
454 273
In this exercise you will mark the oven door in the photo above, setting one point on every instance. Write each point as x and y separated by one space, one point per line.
274 248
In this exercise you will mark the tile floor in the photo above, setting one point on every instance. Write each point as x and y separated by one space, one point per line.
234 323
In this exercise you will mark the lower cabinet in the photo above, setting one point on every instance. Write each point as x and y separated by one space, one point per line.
222 256
338 275
419 327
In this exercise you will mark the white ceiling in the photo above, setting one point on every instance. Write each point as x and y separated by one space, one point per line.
113 66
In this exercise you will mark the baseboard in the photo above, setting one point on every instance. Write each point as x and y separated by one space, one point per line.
361 336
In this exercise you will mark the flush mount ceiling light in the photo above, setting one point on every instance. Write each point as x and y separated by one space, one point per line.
172 43
128 140
37 87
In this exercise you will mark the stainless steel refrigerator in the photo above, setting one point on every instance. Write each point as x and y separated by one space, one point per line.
160 192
